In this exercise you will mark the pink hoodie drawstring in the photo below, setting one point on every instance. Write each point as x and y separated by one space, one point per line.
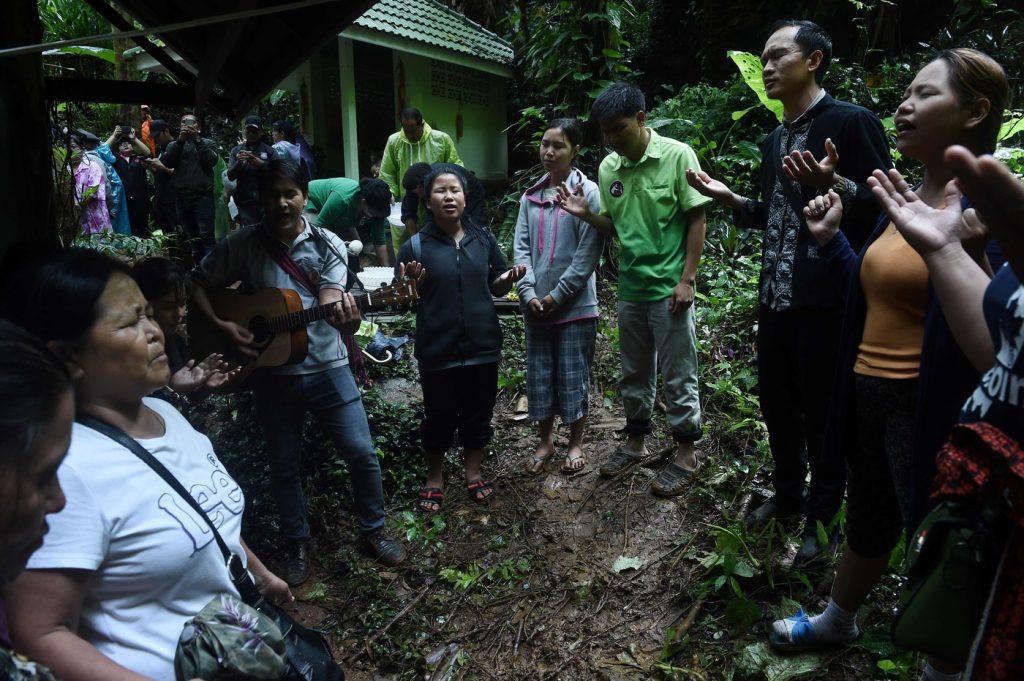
554 230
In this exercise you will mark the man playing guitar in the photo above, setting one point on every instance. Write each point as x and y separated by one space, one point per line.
287 252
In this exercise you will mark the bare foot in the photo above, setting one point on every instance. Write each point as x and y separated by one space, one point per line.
535 464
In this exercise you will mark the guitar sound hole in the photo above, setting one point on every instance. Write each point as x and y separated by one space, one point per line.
260 329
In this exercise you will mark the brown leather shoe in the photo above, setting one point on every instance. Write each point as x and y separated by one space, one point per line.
385 549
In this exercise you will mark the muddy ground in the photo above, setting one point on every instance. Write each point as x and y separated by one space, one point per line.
578 577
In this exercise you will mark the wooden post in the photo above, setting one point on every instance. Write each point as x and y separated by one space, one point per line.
27 190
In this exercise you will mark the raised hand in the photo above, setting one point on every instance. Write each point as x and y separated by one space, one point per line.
513 274
412 270
573 202
708 186
210 373
218 371
823 215
998 198
928 230
802 166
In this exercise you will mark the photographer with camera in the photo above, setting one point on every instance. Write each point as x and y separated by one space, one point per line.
128 155
243 168
193 157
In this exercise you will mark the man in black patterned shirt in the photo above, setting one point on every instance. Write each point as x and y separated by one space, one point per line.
801 302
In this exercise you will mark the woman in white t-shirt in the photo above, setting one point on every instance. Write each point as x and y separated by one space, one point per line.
128 561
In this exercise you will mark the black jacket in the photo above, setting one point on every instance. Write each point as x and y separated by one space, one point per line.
456 322
193 163
861 143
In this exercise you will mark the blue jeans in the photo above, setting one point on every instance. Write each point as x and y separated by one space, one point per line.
196 213
282 402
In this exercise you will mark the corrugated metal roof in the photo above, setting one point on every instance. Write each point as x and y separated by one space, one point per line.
432 23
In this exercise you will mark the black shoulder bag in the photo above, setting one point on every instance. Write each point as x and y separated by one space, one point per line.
309 657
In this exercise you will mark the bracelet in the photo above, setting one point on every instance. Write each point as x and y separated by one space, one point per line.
840 184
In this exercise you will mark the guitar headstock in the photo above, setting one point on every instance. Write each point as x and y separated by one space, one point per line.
400 293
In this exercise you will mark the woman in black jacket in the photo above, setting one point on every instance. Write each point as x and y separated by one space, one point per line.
459 268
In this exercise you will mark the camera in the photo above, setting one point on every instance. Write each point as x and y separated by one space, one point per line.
126 130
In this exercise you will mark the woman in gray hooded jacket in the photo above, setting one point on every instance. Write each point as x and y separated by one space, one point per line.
558 295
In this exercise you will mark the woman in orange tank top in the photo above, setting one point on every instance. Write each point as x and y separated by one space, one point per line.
900 362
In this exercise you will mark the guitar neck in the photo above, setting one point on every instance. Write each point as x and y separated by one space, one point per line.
307 316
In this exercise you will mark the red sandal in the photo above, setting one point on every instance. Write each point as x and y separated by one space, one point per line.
428 498
477 490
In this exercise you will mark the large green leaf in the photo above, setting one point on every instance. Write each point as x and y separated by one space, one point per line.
750 69
103 53
1013 126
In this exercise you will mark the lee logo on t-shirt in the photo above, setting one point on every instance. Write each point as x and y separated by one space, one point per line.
616 189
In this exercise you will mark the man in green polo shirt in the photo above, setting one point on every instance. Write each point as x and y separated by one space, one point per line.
659 220
341 205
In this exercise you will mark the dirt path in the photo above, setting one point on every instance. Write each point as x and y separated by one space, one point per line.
576 577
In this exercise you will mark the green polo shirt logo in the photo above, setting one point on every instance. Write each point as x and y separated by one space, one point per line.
616 189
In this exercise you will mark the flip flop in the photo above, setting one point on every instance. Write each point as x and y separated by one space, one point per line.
568 469
535 465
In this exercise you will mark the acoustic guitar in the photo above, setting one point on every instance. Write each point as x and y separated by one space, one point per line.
277 321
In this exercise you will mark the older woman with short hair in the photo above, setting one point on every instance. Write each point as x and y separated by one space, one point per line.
127 562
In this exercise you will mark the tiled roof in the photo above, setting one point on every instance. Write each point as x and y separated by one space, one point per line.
430 22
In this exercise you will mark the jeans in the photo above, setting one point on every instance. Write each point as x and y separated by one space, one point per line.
797 352
282 402
651 338
196 213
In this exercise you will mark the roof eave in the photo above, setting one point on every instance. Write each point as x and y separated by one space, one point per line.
382 39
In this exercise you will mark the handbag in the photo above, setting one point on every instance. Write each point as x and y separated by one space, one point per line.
228 639
306 650
953 563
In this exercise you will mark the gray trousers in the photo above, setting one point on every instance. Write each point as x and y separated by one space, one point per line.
652 339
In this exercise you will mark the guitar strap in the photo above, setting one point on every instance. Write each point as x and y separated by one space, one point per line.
276 250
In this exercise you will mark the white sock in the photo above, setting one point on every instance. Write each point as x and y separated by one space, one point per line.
932 674
835 623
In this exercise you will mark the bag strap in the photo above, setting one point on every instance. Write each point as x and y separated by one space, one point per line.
417 248
122 438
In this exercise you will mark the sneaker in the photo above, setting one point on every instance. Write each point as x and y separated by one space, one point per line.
296 566
385 549
623 459
796 635
774 507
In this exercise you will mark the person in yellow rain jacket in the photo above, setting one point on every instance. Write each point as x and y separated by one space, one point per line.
416 142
